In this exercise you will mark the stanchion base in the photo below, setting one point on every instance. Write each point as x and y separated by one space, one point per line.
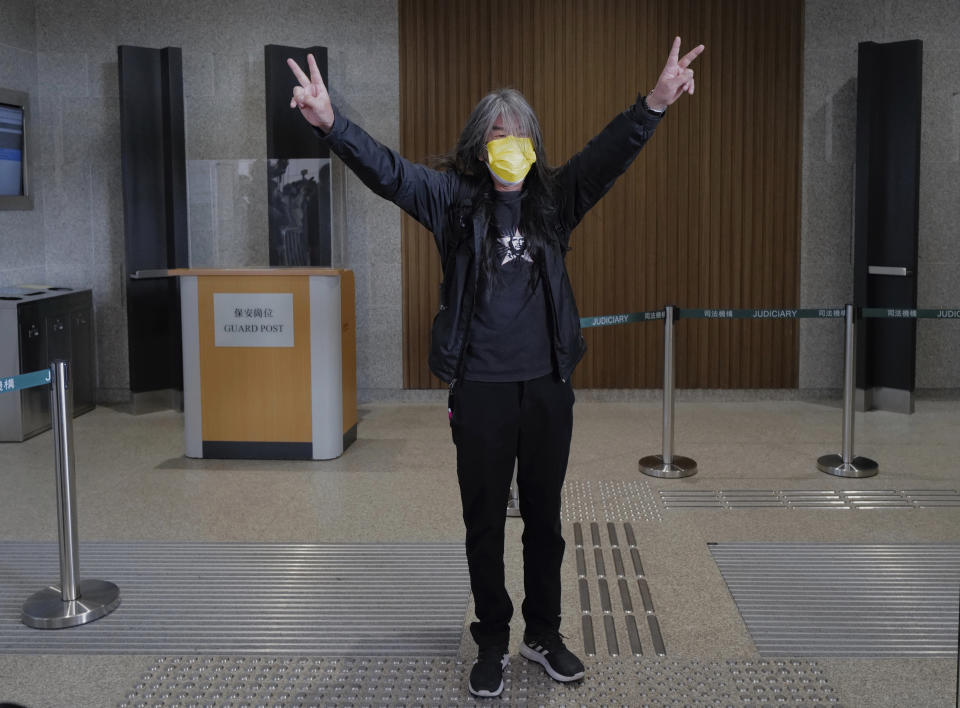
47 610
654 466
858 467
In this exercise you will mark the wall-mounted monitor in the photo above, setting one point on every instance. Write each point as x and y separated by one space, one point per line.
15 192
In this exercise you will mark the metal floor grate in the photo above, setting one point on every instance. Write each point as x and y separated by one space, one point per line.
615 500
302 681
826 599
807 499
246 598
635 619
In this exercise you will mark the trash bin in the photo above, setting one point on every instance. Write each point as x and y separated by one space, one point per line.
50 323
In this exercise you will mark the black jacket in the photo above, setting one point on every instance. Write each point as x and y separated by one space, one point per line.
436 199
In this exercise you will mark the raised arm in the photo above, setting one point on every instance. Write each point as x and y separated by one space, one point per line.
590 174
421 192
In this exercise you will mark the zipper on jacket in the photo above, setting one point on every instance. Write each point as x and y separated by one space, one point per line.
553 311
473 304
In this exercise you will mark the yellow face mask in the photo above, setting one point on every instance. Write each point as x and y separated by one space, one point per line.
510 158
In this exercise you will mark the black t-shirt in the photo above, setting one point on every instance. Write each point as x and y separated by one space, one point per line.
510 334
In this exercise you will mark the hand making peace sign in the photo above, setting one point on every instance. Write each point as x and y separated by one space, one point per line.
312 99
311 95
675 78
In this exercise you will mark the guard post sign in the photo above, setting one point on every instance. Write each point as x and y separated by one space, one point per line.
253 319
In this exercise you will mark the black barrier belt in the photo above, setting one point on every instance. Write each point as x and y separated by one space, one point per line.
829 313
625 318
764 314
943 313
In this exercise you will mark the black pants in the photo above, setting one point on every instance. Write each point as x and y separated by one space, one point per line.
493 425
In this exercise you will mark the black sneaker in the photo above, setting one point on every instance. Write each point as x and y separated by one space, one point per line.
486 676
558 661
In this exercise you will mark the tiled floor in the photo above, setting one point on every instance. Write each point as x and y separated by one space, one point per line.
397 485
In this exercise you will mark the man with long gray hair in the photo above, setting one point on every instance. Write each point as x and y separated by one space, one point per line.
507 335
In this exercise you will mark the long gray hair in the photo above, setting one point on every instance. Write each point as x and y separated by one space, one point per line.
519 119
537 217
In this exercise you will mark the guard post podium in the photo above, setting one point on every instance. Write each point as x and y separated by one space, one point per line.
269 362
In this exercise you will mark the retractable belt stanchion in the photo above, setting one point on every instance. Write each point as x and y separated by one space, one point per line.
668 465
846 465
75 601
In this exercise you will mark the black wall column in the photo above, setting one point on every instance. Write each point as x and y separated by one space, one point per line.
298 169
889 81
154 210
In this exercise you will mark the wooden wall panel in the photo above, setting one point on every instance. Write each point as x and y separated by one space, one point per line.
708 216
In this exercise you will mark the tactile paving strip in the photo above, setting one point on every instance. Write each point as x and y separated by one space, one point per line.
809 499
633 618
250 598
299 681
615 500
836 599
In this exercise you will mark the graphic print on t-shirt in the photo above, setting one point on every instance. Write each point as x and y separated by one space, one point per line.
509 248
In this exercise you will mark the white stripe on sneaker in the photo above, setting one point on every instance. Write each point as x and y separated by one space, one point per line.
532 654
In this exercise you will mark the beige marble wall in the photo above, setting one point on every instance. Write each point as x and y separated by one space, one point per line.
832 31
74 237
